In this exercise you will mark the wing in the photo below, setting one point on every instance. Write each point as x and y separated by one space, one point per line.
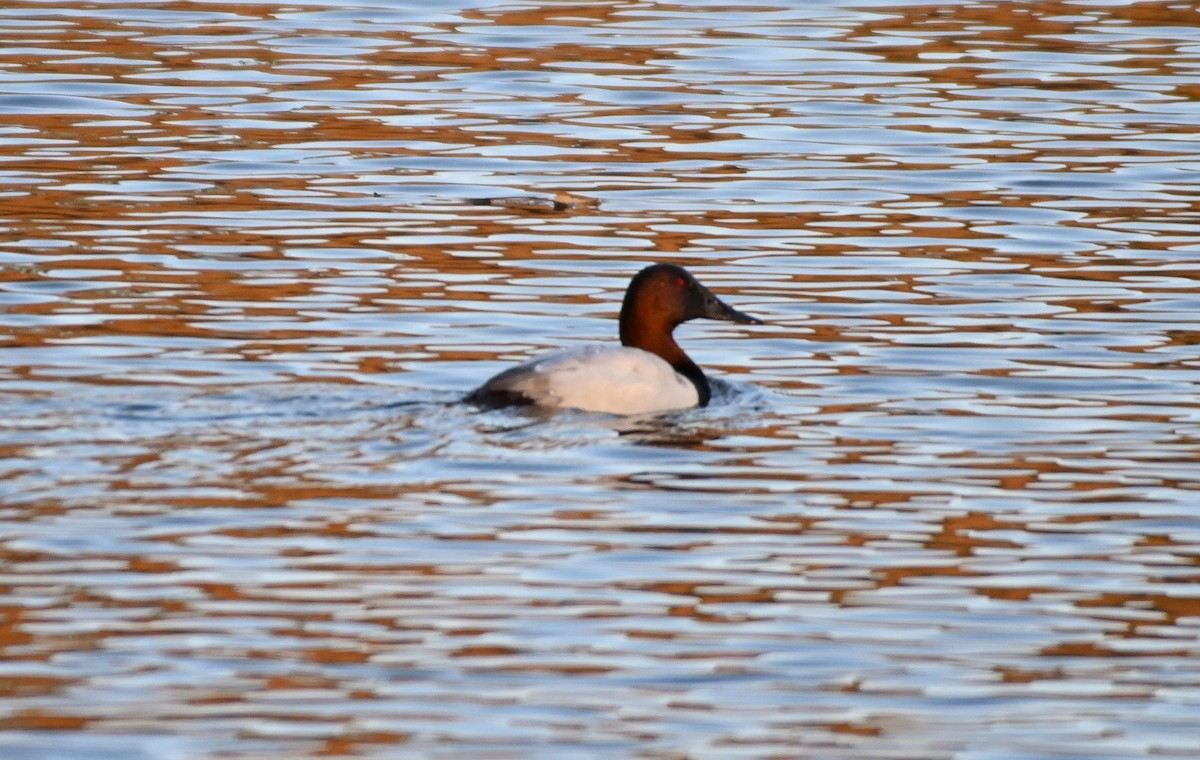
617 379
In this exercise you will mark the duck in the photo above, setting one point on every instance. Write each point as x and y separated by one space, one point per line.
648 373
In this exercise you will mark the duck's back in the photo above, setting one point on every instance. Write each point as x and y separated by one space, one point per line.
615 379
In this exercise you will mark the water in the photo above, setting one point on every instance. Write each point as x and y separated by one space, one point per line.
943 506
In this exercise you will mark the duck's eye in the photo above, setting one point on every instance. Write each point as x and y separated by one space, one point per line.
680 282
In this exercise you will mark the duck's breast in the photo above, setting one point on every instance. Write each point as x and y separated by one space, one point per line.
614 379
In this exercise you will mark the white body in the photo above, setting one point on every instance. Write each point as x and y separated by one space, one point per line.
613 379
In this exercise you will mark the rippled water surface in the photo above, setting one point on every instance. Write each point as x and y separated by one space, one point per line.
946 504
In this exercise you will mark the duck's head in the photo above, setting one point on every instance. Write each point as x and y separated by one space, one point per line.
663 296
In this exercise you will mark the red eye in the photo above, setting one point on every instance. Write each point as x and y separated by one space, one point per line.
680 282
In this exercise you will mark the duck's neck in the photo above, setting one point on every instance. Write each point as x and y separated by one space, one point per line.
661 342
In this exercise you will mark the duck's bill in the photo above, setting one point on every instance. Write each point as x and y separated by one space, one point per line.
744 319
715 308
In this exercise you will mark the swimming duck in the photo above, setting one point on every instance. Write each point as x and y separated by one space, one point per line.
647 373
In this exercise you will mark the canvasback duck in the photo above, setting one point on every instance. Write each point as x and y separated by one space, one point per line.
647 373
